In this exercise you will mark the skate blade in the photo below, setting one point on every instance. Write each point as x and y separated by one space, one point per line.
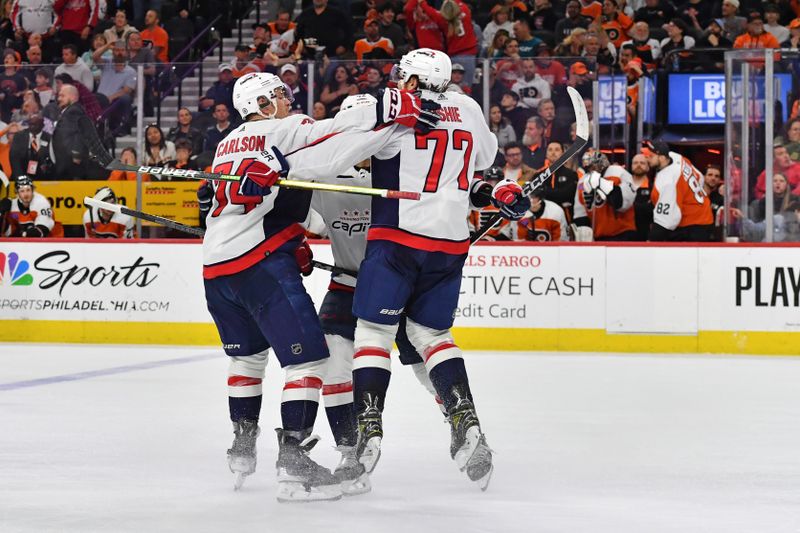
372 452
483 482
295 492
354 487
238 480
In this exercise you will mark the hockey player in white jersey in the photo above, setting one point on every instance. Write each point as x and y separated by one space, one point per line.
28 215
252 253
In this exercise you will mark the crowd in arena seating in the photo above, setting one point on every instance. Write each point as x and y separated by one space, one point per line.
65 60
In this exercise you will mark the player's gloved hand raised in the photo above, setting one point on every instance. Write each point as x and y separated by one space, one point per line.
5 206
303 255
399 107
260 175
428 117
507 196
596 187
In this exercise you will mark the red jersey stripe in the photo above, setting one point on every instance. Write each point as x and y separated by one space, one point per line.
418 242
255 255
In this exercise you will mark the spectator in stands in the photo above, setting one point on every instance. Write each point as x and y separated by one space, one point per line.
782 164
550 70
157 150
76 21
560 188
604 55
794 35
6 25
30 18
30 151
579 78
647 48
74 66
772 14
655 13
732 25
781 198
34 56
99 41
696 14
455 22
547 112
495 48
340 86
712 184
534 140
509 63
500 21
531 88
615 23
373 81
128 157
157 35
12 85
185 130
543 222
755 36
221 92
220 130
181 30
242 63
516 169
389 27
791 139
544 17
372 39
69 145
423 29
30 106
117 83
138 54
642 206
676 38
183 156
328 25
501 127
457 81
44 86
318 112
528 44
626 53
290 77
713 37
281 24
120 30
516 115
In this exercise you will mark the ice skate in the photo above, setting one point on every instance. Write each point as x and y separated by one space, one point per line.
351 474
242 454
468 444
370 433
300 479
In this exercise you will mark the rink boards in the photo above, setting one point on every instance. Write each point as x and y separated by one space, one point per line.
618 298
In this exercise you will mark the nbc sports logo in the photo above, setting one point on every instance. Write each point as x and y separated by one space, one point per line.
11 268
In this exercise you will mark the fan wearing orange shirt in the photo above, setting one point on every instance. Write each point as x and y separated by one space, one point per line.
755 36
372 40
615 23
591 9
157 35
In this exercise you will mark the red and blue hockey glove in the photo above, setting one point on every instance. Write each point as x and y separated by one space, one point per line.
428 117
260 175
399 107
507 196
303 255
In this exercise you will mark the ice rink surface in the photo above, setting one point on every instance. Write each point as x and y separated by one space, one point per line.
133 439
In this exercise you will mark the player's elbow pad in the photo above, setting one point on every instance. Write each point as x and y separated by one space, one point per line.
480 194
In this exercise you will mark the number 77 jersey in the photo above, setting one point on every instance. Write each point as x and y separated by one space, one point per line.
440 165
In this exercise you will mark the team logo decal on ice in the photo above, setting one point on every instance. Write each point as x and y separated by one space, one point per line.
11 267
297 348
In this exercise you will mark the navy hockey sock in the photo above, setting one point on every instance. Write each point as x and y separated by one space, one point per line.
248 408
299 404
342 421
447 376
370 380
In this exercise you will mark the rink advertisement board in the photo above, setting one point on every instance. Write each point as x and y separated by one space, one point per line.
723 299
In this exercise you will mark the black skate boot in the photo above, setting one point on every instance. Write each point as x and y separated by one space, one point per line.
468 444
370 432
352 475
300 479
242 454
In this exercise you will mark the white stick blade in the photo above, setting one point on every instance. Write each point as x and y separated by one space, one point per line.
581 117
101 204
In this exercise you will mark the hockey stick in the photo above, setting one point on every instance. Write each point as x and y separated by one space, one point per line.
117 208
581 140
288 184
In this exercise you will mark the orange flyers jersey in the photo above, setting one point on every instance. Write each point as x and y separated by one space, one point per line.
607 221
679 197
38 213
632 98
594 10
501 232
616 29
120 226
363 46
550 225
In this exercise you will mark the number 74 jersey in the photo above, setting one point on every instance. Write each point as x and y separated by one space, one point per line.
679 197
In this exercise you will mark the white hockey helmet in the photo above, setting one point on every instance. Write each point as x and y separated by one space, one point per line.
255 86
431 67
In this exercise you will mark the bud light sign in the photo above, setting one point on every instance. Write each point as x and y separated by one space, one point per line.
700 98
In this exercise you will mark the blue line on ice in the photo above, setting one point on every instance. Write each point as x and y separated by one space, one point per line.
14 385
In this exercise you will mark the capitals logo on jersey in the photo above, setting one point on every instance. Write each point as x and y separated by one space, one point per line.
352 222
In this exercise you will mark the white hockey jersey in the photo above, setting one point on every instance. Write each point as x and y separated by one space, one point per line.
679 196
441 165
239 233
119 226
38 213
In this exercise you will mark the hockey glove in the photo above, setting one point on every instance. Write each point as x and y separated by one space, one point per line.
5 206
399 107
31 231
303 256
428 117
259 176
480 194
598 187
507 196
